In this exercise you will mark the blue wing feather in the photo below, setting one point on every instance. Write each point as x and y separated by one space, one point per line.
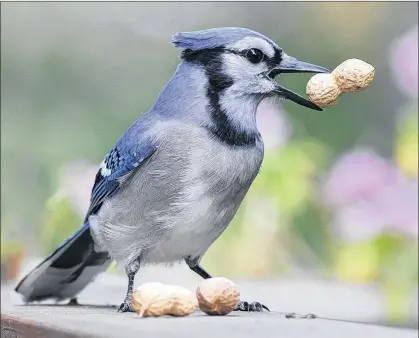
118 163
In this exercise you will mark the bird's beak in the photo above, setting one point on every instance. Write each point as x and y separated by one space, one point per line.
292 65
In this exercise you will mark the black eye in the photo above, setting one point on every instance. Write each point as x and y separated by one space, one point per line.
254 55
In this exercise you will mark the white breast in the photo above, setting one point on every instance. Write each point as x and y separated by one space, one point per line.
217 178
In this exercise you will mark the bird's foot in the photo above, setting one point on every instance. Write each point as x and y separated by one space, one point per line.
73 301
251 307
295 315
126 306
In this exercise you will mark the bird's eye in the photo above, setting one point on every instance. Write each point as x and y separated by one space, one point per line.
254 55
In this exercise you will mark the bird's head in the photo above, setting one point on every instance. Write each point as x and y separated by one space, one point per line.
243 61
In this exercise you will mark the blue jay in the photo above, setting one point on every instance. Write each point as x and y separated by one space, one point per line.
174 180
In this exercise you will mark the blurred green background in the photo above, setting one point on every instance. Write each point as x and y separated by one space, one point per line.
337 194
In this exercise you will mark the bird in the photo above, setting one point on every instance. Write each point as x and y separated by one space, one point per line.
174 180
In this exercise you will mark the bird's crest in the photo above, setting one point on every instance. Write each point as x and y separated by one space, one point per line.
212 38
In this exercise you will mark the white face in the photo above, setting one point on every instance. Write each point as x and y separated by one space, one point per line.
248 77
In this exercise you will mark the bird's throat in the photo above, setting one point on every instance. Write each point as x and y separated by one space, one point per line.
233 119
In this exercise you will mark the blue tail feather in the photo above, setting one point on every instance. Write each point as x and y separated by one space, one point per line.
66 271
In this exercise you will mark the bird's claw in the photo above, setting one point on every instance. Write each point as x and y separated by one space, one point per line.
73 301
126 306
252 307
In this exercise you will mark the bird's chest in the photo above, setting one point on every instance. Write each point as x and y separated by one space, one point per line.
225 169
198 183
214 184
216 181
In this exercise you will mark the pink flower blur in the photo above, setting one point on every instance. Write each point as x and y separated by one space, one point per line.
404 61
398 206
358 221
77 183
273 124
357 175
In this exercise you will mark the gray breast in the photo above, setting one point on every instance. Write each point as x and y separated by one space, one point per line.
181 200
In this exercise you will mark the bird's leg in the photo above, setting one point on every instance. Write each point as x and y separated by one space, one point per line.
73 301
131 271
195 267
242 306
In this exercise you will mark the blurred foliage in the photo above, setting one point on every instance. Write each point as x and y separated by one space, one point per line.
60 222
11 248
406 146
389 259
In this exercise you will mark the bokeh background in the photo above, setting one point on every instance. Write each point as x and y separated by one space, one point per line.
337 196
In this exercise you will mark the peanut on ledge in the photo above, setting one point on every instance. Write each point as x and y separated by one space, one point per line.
157 299
217 296
350 76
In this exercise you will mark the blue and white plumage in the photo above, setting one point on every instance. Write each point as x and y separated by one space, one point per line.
174 180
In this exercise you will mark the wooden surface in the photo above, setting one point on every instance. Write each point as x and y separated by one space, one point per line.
342 310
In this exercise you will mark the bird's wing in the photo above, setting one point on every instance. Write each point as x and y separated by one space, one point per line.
118 163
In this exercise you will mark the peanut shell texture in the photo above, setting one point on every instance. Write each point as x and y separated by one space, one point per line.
217 296
323 90
351 76
156 299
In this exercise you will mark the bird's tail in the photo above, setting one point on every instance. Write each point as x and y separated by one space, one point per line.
66 271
